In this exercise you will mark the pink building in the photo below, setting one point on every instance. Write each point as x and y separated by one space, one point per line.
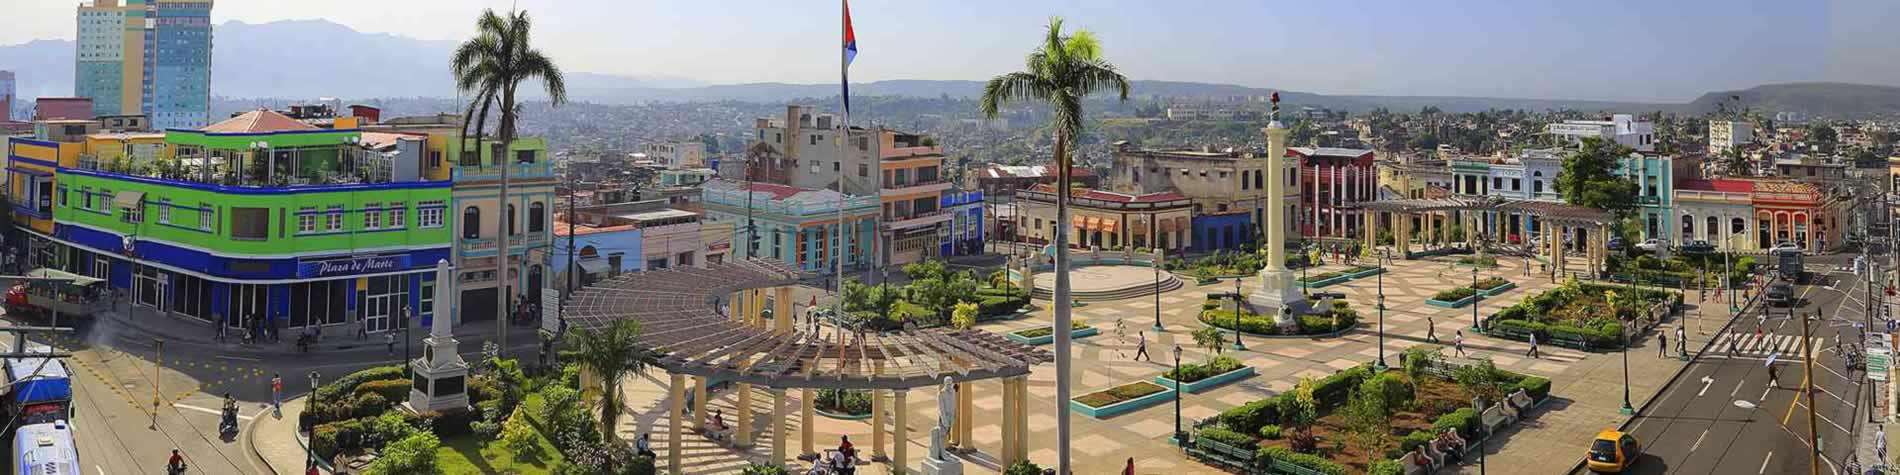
57 108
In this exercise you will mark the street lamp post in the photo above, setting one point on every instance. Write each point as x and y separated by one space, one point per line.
1380 366
1627 408
1478 297
405 338
309 452
1238 346
1160 256
1180 438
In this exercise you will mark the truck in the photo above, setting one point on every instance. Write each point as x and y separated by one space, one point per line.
1789 266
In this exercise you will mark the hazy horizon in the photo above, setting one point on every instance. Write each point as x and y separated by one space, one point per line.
1616 51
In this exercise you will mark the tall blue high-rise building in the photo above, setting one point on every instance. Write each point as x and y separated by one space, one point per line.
146 57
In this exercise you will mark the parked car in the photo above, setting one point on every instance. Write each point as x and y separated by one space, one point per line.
1698 247
1652 245
1786 246
1613 452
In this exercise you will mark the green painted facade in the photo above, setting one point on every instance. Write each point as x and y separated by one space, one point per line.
188 203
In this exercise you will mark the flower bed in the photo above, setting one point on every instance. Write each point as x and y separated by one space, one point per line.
846 405
1046 335
1480 261
1574 314
1194 377
1120 399
1462 296
1262 325
1419 408
1324 279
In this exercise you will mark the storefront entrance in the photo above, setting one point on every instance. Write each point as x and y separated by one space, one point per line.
386 296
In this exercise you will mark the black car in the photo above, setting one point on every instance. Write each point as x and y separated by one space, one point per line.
1780 293
1698 247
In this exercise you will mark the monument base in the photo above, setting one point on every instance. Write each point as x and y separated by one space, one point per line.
952 466
1279 297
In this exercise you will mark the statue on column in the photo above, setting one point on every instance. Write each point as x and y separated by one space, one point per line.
946 417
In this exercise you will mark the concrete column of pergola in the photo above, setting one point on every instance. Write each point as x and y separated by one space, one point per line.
1404 237
808 402
878 418
1008 453
674 436
900 449
782 310
965 429
699 401
1371 230
742 433
778 426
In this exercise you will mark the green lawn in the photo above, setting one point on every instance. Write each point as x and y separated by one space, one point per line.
467 455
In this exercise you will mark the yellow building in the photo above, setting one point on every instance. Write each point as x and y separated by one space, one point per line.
1109 220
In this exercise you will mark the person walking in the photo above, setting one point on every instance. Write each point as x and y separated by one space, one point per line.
389 339
1458 343
1772 381
1141 348
1431 330
277 394
1662 345
1129 469
1533 351
1682 342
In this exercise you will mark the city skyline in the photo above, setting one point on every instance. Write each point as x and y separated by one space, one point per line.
1615 53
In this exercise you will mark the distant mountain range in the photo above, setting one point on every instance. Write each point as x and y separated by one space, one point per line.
275 60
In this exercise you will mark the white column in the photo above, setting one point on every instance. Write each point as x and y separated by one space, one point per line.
778 426
677 388
1276 196
900 448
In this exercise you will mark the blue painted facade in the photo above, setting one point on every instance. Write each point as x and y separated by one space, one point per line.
597 249
1227 231
966 224
1655 194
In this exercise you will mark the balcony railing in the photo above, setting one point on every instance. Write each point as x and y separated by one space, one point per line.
918 187
519 242
917 219
541 169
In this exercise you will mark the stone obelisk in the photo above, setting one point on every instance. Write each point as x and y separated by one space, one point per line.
1278 295
441 376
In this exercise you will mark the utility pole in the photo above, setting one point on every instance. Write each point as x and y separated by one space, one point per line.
571 264
1807 389
157 362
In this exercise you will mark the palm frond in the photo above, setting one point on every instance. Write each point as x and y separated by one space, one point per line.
535 64
1082 46
1091 75
1012 87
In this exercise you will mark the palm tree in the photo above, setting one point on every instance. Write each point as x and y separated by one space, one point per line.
493 65
1060 72
611 353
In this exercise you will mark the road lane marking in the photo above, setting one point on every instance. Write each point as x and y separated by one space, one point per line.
1796 399
1738 388
214 412
1764 462
1706 381
1698 440
239 358
1764 394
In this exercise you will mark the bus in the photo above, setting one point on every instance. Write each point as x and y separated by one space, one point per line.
38 398
45 449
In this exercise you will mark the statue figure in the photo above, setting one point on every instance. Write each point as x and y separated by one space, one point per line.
946 417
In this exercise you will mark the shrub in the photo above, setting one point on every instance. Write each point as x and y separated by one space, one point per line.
1454 295
1225 436
1267 455
1250 417
521 438
450 424
348 383
1388 386
1414 440
414 454
1538 387
1386 467
339 437
844 402
387 428
1024 467
390 389
763 469
1191 372
1464 420
1270 432
1330 391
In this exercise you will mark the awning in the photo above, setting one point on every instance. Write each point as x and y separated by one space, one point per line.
1109 225
592 266
128 199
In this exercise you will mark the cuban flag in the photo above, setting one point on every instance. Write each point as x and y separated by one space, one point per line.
850 53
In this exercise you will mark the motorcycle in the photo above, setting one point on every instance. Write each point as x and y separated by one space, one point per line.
175 469
228 425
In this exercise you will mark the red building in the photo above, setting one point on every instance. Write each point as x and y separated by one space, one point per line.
1333 181
57 108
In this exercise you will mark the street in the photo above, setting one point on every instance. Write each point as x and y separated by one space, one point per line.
1722 416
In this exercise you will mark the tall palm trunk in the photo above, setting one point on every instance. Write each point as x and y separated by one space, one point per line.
1063 303
504 258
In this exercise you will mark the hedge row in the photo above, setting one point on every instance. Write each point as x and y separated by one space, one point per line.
1328 393
1266 455
1606 334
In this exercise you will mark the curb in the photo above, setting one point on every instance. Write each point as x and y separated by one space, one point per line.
1672 379
251 439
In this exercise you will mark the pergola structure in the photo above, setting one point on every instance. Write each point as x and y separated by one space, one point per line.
1583 227
691 333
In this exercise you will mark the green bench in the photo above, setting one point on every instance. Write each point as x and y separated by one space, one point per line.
1570 341
1285 467
1513 333
1221 454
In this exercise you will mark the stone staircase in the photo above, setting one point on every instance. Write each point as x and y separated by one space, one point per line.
1168 283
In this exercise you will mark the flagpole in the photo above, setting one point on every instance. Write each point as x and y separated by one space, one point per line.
844 94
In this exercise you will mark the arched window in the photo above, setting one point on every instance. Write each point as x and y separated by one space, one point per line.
589 251
513 228
1714 227
537 213
1259 179
1537 182
1688 228
471 223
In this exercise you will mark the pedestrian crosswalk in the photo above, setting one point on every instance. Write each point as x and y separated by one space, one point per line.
1750 345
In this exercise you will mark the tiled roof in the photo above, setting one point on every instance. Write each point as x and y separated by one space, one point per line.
261 120
1094 194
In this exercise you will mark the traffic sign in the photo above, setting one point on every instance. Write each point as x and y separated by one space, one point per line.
1877 366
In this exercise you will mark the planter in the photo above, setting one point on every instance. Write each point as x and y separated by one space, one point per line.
1050 338
841 416
1324 282
1123 406
1499 289
1208 382
1452 304
1366 274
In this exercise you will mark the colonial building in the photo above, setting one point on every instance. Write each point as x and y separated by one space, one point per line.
1110 220
798 226
1333 181
1225 189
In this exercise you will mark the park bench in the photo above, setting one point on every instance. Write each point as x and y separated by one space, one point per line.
1569 341
1411 467
1282 466
1493 418
1521 400
1510 333
1222 454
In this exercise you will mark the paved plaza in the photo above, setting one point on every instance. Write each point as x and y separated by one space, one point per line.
1587 389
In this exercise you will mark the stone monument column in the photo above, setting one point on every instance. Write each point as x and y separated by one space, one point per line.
1277 295
441 374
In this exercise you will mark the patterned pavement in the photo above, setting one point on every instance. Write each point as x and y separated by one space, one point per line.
1587 387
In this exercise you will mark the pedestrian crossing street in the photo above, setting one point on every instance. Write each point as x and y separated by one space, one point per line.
1749 346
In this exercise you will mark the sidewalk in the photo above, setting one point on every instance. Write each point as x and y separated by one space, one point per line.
144 325
277 442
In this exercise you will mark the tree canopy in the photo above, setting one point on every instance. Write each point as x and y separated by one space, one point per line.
1590 177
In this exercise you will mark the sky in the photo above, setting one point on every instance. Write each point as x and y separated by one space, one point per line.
1634 50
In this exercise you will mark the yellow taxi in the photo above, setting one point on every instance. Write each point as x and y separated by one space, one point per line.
1613 452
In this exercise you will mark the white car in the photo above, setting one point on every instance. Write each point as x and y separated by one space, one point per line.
1652 245
1785 246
